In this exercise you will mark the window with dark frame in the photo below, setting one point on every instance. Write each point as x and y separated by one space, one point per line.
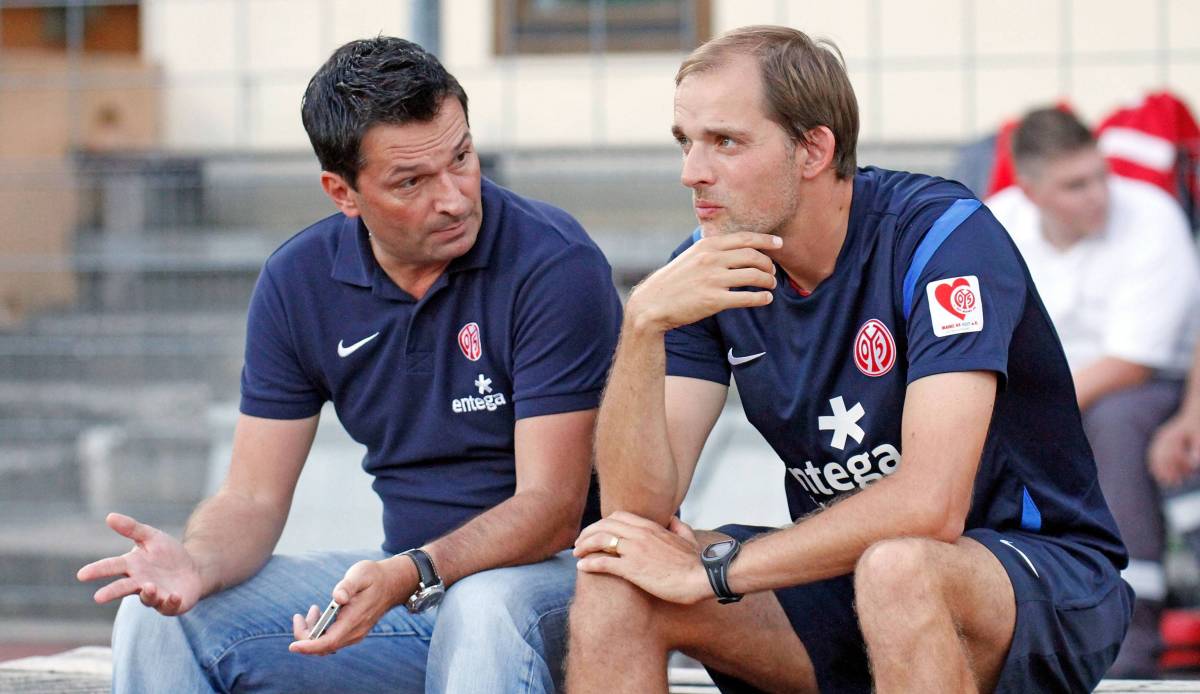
107 28
581 26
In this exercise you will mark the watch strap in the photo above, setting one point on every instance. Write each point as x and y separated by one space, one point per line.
718 574
425 568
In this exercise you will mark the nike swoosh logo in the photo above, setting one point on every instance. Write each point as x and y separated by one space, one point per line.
1014 548
734 361
344 351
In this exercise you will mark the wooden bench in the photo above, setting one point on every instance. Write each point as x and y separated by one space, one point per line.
86 670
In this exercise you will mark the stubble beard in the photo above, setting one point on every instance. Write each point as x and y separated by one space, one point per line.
760 222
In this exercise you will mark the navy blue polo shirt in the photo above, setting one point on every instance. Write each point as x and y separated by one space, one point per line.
926 282
524 324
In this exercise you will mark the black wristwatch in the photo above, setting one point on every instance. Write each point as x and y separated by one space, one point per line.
716 559
430 591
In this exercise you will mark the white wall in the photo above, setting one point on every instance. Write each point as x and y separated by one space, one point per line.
923 69
235 70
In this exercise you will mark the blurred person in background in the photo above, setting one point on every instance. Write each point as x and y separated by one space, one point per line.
463 334
889 344
1115 265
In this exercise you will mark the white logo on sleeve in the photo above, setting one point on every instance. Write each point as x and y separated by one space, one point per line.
955 305
344 351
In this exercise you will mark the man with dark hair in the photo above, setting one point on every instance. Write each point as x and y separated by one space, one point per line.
863 313
1116 267
463 334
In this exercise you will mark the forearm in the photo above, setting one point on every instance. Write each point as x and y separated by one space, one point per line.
945 423
1105 376
230 537
831 542
527 527
1188 415
1190 407
633 454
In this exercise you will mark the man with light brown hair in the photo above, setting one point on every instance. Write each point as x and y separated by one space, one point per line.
863 313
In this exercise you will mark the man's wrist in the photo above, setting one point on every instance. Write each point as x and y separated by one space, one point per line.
208 573
640 320
701 586
404 575
1189 414
716 559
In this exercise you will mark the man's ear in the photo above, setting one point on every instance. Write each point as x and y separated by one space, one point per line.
815 152
1028 185
340 192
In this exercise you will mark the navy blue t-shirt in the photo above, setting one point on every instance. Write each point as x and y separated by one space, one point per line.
524 324
926 282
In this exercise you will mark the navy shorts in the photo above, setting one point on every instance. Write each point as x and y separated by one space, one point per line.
1072 613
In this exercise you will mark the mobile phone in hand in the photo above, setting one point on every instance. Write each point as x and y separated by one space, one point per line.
325 620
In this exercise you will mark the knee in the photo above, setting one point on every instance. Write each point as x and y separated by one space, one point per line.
512 599
606 606
894 575
480 602
137 624
149 649
129 620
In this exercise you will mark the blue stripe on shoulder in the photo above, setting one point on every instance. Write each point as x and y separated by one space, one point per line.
1031 517
696 235
938 233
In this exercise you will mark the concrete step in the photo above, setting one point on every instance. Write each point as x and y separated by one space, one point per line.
104 444
115 364
126 323
26 595
45 470
42 546
169 343
36 407
189 331
67 449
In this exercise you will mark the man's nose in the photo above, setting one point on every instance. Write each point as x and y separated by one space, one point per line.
451 200
697 169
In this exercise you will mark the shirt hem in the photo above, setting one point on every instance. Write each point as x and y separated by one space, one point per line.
277 410
557 404
956 365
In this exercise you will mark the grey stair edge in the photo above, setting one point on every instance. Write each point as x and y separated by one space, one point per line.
81 535
95 662
64 632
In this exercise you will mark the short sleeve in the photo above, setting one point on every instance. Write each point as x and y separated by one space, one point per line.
965 290
697 351
567 318
274 384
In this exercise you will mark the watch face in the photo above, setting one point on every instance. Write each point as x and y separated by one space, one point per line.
718 549
426 598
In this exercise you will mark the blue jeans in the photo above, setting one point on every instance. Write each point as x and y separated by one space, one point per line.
502 630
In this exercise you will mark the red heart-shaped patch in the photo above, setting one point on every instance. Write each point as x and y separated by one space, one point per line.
943 292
